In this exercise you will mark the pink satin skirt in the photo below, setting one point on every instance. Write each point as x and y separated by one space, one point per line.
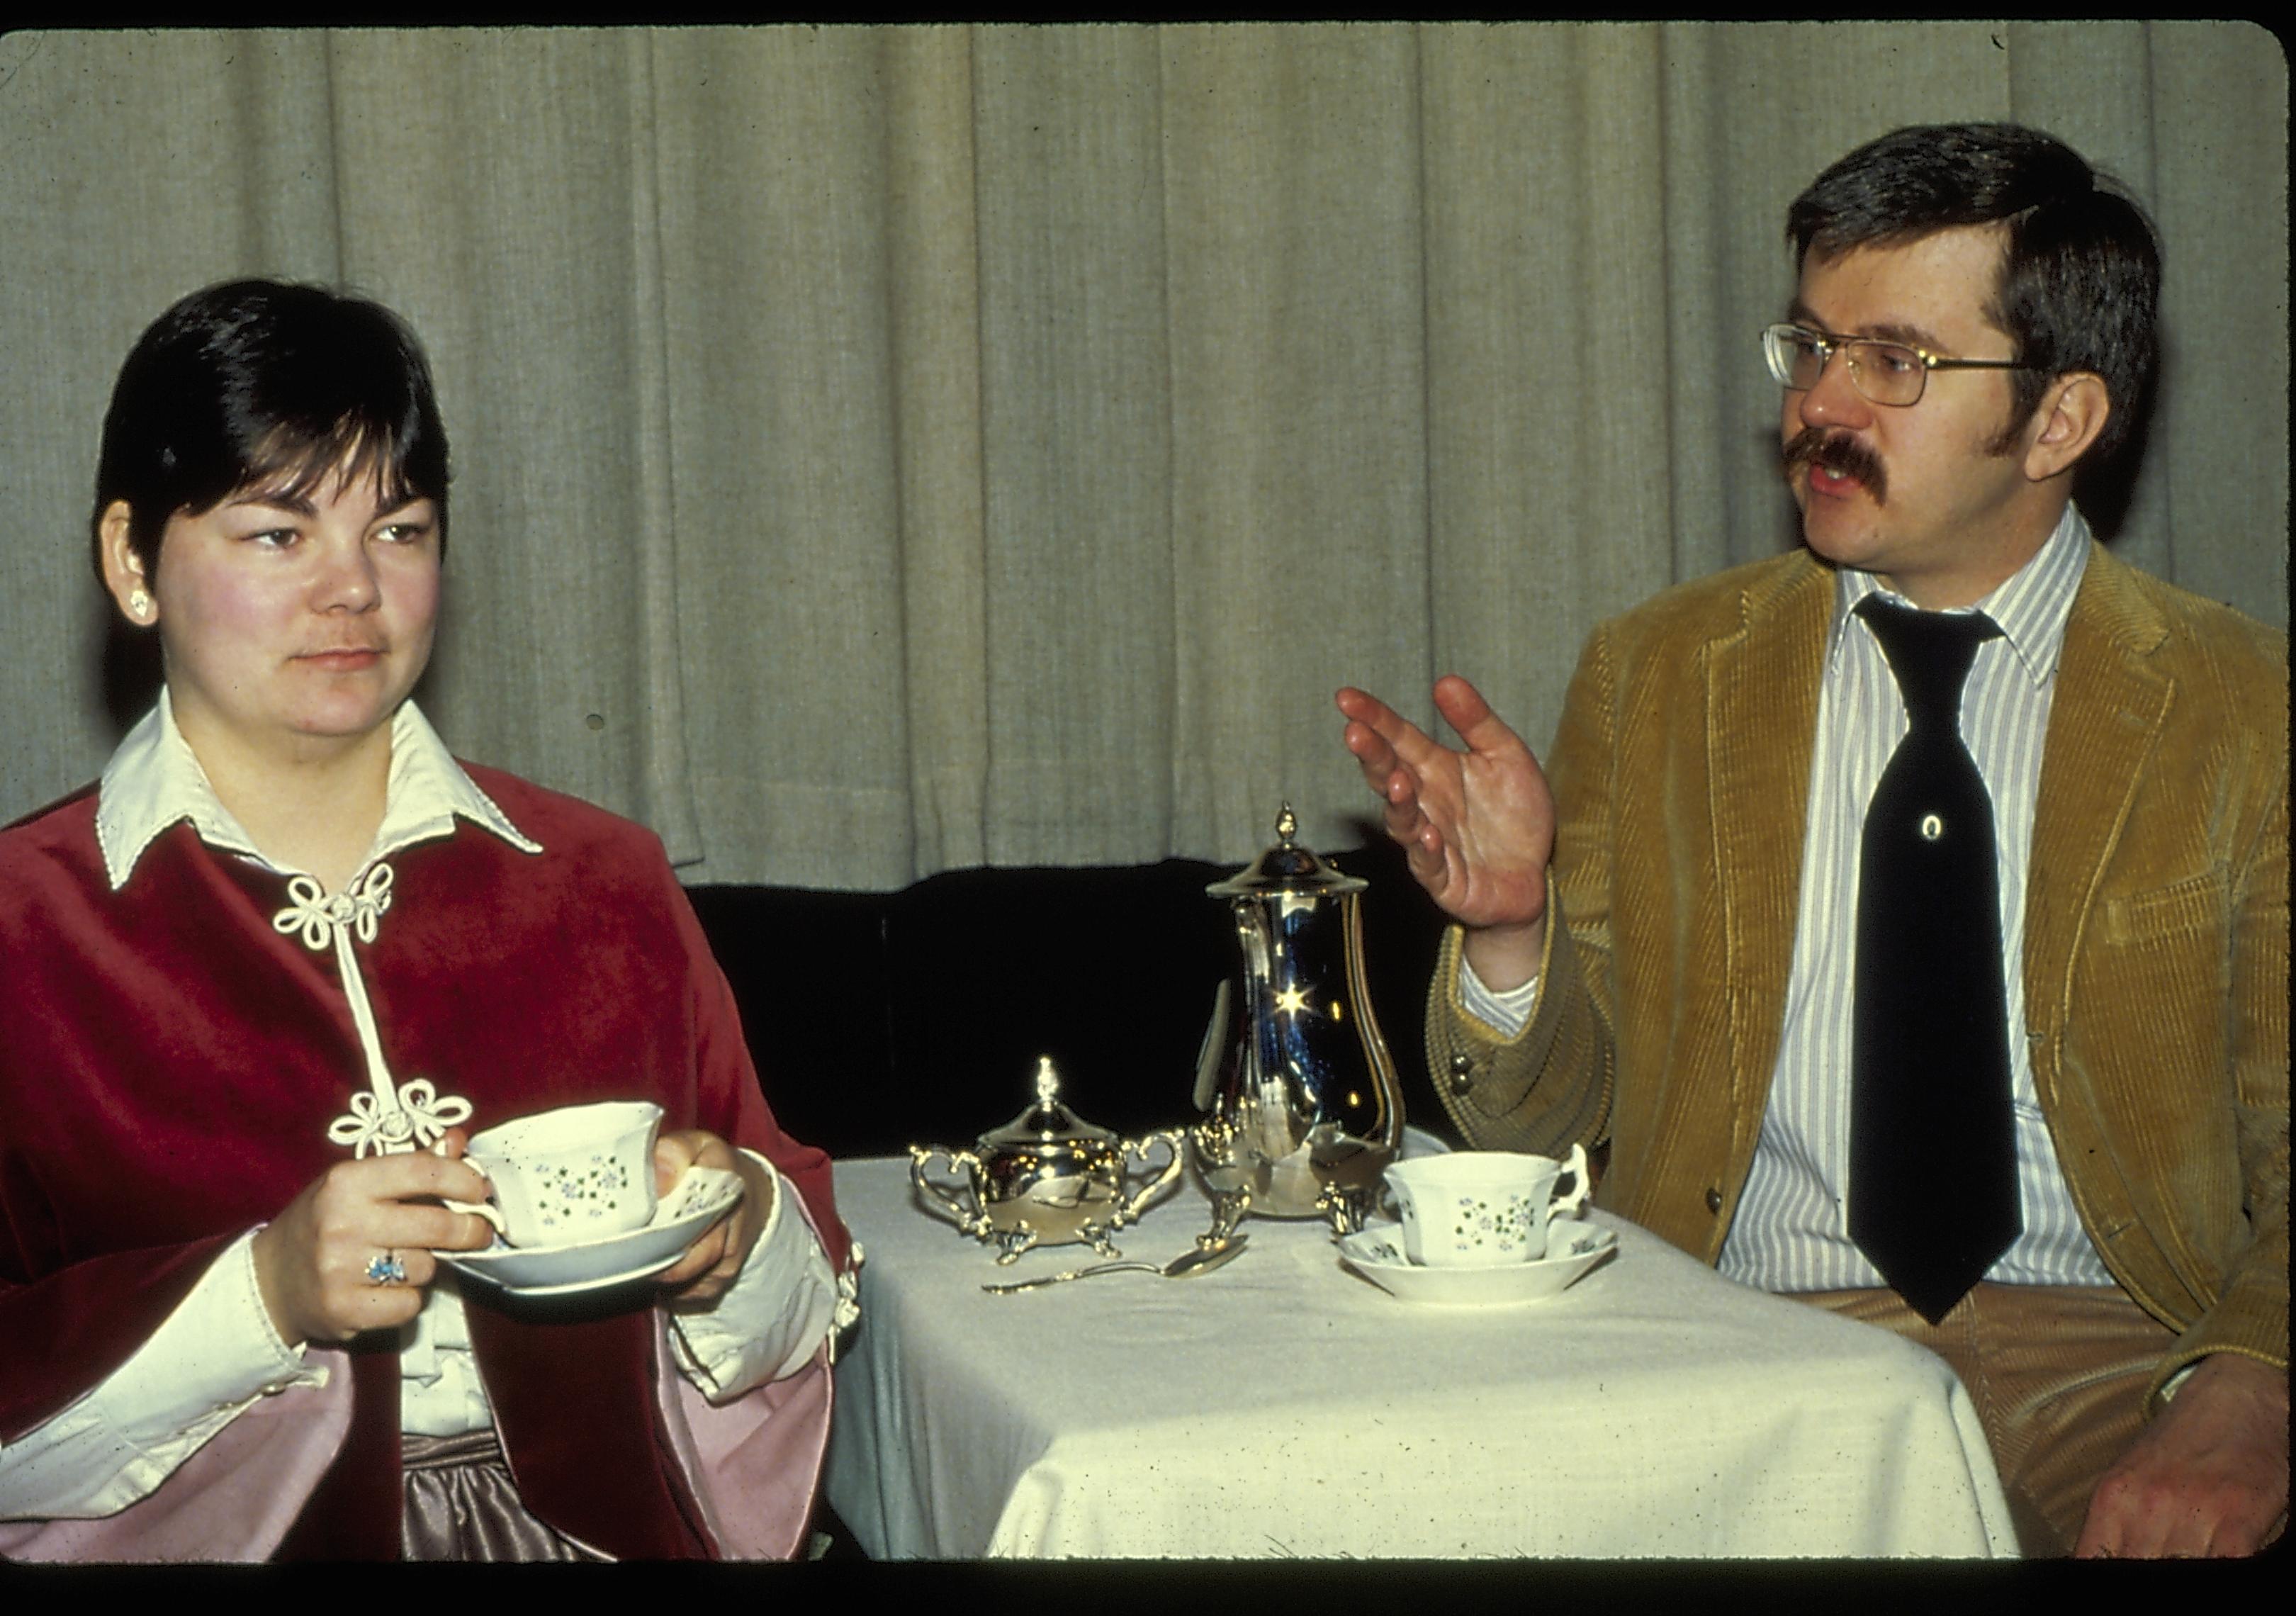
461 1503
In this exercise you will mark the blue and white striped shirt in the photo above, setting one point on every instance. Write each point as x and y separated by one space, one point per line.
1791 1232
1792 1228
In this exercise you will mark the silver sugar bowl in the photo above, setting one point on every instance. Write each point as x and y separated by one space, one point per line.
1302 1108
1047 1177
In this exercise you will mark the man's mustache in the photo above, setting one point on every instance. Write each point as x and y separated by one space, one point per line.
1839 453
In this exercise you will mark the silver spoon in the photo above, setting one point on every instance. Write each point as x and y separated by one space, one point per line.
1195 1259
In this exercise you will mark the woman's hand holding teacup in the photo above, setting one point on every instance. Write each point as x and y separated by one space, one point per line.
311 1260
700 1277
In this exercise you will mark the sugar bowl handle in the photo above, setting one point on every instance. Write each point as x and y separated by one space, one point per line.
1128 1209
937 1197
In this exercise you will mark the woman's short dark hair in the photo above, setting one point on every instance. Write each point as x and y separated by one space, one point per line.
263 384
2080 266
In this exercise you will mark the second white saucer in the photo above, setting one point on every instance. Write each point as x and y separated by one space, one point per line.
1572 1249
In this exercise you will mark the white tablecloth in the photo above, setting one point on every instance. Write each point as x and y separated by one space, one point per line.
1283 1406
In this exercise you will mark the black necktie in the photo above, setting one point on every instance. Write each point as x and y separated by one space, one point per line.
1933 1147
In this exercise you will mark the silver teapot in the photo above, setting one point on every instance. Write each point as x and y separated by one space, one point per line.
1047 1177
1303 1110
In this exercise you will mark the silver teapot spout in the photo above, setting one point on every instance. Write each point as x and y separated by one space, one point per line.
1303 1110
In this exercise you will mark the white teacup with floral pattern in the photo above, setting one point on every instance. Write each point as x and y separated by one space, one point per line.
1482 1209
559 1177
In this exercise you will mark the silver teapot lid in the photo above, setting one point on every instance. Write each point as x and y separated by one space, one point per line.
1285 868
1048 1121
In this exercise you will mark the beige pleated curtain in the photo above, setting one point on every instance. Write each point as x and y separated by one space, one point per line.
881 450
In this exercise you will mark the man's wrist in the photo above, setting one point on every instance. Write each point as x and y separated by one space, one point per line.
1504 958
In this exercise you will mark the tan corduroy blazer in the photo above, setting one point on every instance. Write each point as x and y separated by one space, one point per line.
2156 931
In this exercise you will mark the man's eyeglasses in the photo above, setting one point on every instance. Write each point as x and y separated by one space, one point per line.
1893 374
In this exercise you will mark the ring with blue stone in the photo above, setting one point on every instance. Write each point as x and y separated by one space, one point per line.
386 1270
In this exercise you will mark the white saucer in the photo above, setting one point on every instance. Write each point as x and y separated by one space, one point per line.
696 1201
1376 1252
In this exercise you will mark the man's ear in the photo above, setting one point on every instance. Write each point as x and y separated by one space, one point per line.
2072 413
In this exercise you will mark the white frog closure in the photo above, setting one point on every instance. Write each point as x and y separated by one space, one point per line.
388 1119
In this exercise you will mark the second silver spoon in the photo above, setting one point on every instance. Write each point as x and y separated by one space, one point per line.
1195 1259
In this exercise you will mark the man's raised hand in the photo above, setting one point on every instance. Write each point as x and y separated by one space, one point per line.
1476 825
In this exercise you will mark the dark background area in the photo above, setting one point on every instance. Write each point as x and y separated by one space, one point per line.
879 1021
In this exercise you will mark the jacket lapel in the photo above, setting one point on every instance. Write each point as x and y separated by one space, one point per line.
1761 714
2105 720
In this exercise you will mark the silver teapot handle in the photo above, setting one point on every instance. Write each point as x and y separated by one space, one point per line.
1209 1053
938 1198
1176 1158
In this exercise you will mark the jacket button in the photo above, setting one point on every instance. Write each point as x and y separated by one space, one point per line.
1714 1201
1463 1074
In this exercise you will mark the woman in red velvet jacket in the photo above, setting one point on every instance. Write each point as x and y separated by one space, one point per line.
259 978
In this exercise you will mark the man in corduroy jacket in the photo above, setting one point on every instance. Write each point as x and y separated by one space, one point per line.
1973 323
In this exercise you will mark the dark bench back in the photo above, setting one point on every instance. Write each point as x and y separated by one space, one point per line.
880 1020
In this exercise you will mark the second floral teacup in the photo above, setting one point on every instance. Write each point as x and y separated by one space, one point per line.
1481 1208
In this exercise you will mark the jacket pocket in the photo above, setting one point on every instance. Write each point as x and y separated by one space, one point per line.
2180 909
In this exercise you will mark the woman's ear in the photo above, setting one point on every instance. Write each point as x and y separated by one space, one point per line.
123 569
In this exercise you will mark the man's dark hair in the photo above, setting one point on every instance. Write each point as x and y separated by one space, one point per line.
261 385
2080 267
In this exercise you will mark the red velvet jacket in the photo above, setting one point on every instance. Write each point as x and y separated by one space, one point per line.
169 1064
